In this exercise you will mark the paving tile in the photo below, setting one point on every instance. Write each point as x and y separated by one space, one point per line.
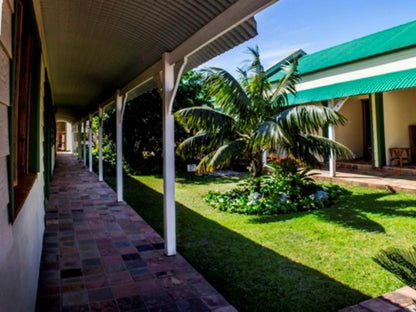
192 305
377 305
125 290
104 306
130 303
214 301
96 281
76 308
68 273
157 298
99 255
74 298
100 294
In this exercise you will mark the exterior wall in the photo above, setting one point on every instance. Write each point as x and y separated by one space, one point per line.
351 135
21 242
399 113
6 234
19 263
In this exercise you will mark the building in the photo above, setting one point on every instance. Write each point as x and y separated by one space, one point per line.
66 60
371 81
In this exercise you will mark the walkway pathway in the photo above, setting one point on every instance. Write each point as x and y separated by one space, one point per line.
99 255
395 183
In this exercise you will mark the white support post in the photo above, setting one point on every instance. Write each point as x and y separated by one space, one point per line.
331 136
74 127
169 80
84 148
79 139
90 143
100 144
120 104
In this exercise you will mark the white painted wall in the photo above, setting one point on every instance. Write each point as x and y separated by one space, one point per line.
20 257
399 113
351 134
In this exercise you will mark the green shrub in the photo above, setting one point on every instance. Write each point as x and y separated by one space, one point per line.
287 189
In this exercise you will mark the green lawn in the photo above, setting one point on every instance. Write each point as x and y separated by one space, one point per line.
316 261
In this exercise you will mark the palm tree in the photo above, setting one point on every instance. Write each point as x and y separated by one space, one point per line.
251 115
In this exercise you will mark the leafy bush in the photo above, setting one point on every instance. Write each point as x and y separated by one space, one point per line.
287 189
400 262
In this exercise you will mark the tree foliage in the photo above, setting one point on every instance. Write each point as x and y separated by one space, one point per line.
142 124
251 115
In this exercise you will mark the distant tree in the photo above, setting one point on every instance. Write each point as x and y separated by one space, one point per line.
142 124
251 115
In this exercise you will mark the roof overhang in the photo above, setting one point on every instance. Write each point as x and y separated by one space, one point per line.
92 48
387 82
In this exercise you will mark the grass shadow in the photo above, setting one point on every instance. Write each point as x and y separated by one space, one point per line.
250 276
183 178
353 211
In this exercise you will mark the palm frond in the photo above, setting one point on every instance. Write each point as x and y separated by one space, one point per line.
203 165
224 154
204 118
308 118
286 85
270 135
400 262
228 92
195 144
307 147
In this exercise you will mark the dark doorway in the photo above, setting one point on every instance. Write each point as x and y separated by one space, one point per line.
367 149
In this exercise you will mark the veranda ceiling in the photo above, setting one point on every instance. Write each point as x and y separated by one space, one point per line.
97 46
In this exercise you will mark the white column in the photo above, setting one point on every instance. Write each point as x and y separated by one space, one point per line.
79 139
168 164
119 137
100 144
90 143
84 148
331 136
170 77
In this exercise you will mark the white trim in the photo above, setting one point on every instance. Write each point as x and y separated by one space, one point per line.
391 67
100 144
221 24
120 102
169 81
90 143
340 104
1 13
84 150
331 135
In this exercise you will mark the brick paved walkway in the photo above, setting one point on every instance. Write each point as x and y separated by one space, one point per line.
99 255
398 183
401 300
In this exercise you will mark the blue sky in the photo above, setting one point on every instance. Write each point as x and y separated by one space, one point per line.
313 25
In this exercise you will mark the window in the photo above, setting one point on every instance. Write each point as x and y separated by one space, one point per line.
25 104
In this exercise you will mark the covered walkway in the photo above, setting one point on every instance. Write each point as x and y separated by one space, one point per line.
99 255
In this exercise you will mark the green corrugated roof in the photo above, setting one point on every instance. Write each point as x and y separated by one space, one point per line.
388 40
387 82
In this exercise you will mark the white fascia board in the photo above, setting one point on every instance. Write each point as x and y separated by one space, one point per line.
367 68
221 24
